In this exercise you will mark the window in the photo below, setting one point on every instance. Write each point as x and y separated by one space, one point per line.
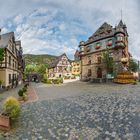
99 59
120 38
89 59
12 48
13 63
9 78
89 72
10 60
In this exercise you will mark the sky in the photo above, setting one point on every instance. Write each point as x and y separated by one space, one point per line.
57 26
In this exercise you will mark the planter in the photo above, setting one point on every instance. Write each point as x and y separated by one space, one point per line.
97 47
109 44
4 122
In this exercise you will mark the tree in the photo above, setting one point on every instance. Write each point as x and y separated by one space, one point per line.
108 60
1 55
41 69
133 66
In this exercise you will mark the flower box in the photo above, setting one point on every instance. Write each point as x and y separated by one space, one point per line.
109 44
97 47
4 122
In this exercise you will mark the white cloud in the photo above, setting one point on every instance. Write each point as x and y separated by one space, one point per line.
58 26
18 19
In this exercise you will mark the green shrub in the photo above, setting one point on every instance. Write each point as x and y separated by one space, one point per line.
61 80
24 89
0 82
26 85
134 82
12 107
49 81
55 81
20 92
67 77
25 97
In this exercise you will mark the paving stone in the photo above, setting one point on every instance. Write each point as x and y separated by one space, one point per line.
89 112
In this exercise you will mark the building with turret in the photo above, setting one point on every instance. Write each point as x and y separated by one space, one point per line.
106 38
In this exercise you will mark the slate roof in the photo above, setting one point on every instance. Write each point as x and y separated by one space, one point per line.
4 39
106 30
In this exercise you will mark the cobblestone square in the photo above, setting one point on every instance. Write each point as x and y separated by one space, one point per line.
80 111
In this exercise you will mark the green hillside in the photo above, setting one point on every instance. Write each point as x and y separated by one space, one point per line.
38 59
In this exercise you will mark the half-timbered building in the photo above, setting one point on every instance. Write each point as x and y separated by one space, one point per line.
60 67
11 69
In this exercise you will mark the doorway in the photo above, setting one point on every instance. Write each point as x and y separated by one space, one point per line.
99 72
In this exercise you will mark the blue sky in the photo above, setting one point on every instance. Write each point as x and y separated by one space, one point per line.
57 26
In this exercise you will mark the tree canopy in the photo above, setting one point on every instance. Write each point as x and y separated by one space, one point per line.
31 68
108 60
133 66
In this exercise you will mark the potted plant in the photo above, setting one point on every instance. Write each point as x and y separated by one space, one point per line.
11 111
20 93
23 94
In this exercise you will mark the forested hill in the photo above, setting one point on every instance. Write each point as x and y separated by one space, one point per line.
38 59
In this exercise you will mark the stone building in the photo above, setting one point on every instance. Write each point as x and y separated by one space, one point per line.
60 67
12 67
115 40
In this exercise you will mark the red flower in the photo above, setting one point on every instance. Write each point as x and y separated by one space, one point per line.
98 47
109 44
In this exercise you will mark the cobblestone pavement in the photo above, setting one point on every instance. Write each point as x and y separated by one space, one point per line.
80 111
